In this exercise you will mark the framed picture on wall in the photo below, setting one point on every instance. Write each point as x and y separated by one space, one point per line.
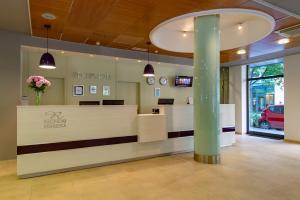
157 92
93 89
106 90
78 90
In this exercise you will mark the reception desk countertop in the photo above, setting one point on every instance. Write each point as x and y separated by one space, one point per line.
60 138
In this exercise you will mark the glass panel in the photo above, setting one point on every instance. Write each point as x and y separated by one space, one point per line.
265 70
266 105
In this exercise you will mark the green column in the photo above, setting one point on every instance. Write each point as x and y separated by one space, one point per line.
207 89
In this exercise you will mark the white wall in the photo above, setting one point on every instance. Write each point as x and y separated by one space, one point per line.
125 70
292 98
10 73
238 96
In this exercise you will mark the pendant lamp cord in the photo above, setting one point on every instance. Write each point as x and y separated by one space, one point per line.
148 51
47 39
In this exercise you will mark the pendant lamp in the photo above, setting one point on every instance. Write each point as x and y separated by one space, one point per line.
47 60
148 70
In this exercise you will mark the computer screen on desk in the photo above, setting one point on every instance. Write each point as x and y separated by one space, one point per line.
88 103
113 102
165 101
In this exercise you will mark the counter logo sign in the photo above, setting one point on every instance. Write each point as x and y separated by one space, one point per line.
54 120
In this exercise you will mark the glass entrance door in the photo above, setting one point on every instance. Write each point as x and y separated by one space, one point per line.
266 99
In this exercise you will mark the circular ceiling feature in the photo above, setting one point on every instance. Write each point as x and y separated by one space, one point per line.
238 28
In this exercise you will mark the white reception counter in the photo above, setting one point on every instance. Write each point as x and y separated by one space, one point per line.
60 138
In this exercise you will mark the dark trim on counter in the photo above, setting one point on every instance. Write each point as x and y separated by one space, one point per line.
38 148
191 132
58 146
228 129
180 134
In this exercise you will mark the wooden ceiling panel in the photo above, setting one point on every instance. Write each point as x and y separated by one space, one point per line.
53 4
38 32
60 8
286 22
105 21
85 14
295 42
75 35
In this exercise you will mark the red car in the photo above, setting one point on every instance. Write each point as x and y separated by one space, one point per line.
272 117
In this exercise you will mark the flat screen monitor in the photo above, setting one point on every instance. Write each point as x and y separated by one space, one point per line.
113 102
183 81
165 101
88 103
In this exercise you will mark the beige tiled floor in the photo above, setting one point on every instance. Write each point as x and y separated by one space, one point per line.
254 169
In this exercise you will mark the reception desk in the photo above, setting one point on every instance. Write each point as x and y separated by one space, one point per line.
180 120
53 139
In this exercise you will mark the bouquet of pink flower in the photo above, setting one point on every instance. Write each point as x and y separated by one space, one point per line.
38 83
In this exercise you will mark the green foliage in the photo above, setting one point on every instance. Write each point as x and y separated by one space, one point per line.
266 71
33 86
254 117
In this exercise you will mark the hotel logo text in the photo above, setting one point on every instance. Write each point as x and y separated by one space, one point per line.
54 120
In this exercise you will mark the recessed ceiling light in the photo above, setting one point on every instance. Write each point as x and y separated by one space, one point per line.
283 41
48 16
139 49
97 43
240 27
184 34
241 51
139 61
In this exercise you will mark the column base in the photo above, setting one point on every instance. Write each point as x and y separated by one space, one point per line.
207 159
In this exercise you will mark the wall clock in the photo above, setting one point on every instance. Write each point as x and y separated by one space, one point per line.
163 80
150 80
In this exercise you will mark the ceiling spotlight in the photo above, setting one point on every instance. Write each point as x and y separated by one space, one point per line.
241 52
97 43
139 61
184 34
48 16
283 41
240 27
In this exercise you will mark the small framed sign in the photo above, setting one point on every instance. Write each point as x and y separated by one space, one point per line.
157 92
78 90
106 90
93 89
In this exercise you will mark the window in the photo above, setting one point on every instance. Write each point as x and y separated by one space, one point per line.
266 98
